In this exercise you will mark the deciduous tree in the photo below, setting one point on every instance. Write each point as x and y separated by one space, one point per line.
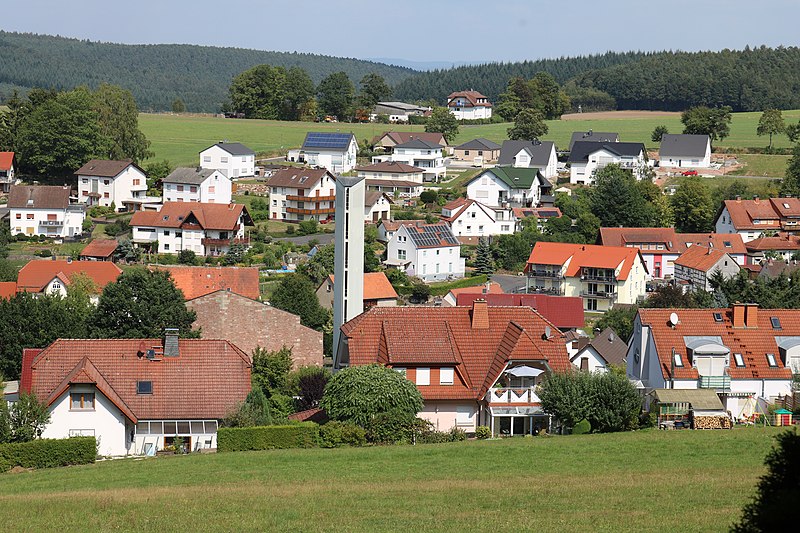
528 125
701 120
296 294
444 122
374 89
335 95
617 200
790 185
658 133
28 417
118 118
771 123
692 206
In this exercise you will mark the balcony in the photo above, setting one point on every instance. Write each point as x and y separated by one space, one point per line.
225 242
599 294
56 223
299 211
722 383
555 291
513 395
600 278
550 274
295 198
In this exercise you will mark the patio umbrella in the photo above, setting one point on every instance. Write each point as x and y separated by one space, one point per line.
524 372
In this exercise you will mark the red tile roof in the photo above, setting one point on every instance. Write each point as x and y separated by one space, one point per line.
752 343
780 242
6 160
195 282
744 213
376 286
565 312
223 217
395 167
206 380
585 255
444 336
8 289
35 276
672 241
700 258
100 248
471 96
786 207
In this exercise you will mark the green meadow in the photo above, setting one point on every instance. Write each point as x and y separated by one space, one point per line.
639 481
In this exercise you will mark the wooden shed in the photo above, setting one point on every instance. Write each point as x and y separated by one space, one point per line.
694 408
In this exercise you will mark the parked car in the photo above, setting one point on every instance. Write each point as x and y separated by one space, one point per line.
689 173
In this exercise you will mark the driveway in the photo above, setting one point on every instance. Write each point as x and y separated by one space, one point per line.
509 282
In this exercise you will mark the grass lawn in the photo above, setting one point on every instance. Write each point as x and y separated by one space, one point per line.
642 481
762 165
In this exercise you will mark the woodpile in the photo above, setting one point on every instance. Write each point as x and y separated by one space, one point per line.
712 422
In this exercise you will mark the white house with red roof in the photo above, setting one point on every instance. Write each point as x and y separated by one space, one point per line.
297 194
120 182
393 178
781 246
474 366
752 218
7 171
55 277
470 218
428 251
137 396
206 229
469 105
602 275
419 153
695 267
743 353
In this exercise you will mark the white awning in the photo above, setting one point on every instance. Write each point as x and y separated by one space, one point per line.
517 411
524 372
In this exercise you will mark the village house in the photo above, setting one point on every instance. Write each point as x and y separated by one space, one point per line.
695 266
398 111
137 396
477 151
469 218
593 136
781 246
564 312
204 185
772 268
744 354
588 157
685 151
602 275
751 218
387 229
418 153
660 247
510 186
377 206
54 277
531 154
469 105
122 183
390 139
479 291
99 250
378 291
392 178
474 366
598 354
298 194
205 229
44 210
542 214
428 251
198 281
335 152
7 171
234 160
249 324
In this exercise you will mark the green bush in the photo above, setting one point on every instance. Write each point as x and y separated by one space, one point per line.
335 434
427 435
302 435
483 432
48 453
395 427
581 428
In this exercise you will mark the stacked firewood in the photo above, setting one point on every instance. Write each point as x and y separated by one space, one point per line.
712 422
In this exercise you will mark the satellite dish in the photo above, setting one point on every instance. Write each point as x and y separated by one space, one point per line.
673 319
547 333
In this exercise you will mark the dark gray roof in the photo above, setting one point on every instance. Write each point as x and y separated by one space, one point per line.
581 150
479 144
419 143
432 235
316 140
189 176
233 148
539 151
608 344
593 136
681 144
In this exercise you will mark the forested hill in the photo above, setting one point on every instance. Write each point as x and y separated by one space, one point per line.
156 74
747 80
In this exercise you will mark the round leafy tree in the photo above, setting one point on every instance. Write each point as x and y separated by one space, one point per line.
356 394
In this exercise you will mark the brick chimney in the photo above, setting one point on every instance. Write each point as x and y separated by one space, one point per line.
751 315
738 315
480 314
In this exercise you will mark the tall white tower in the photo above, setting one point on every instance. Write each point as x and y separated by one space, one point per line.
348 288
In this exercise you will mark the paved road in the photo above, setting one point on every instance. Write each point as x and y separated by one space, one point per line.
322 238
509 283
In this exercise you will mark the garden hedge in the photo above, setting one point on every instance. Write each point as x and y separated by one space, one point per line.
302 435
48 453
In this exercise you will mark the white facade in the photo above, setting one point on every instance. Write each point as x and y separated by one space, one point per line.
490 190
429 264
523 159
589 360
173 240
476 220
471 113
695 160
234 166
378 211
416 177
695 279
53 223
128 186
215 189
584 172
724 224
335 161
294 204
430 160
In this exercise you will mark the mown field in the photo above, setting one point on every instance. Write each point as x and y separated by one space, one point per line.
642 481
179 138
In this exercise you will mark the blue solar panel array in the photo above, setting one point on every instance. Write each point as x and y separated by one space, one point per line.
327 141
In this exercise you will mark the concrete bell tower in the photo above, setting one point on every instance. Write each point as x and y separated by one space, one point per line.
348 290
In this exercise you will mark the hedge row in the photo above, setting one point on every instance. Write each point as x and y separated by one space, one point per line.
303 435
48 453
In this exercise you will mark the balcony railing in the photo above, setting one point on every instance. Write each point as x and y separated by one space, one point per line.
555 291
299 211
599 294
715 382
512 395
552 274
295 198
51 223
225 242
602 278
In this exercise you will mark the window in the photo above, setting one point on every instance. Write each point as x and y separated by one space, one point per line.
223 159
401 254
179 234
206 159
771 360
193 188
19 215
144 387
180 188
591 304
105 195
446 376
211 189
423 376
81 401
166 247
466 152
136 181
776 322
166 233
737 357
57 285
106 182
676 358
29 216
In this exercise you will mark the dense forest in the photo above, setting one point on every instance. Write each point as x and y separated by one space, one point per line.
157 75
747 80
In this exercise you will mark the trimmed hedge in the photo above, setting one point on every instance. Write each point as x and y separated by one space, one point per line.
302 435
48 453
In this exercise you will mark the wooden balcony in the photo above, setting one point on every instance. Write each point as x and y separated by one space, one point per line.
295 198
299 211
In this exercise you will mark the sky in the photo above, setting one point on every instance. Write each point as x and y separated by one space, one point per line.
420 30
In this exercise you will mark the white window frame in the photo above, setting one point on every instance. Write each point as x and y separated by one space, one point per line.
423 376
446 375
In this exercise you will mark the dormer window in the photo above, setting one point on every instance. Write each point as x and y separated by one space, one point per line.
423 376
717 317
81 401
446 376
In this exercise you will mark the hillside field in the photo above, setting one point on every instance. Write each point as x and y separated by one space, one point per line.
179 138
640 481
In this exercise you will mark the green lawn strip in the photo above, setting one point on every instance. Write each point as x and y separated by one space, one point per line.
762 165
641 481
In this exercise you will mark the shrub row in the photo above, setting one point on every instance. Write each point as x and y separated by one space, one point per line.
303 435
48 453
335 434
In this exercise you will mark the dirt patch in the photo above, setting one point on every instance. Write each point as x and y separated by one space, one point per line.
606 115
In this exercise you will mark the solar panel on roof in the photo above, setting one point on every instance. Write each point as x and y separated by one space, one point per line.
548 213
328 140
